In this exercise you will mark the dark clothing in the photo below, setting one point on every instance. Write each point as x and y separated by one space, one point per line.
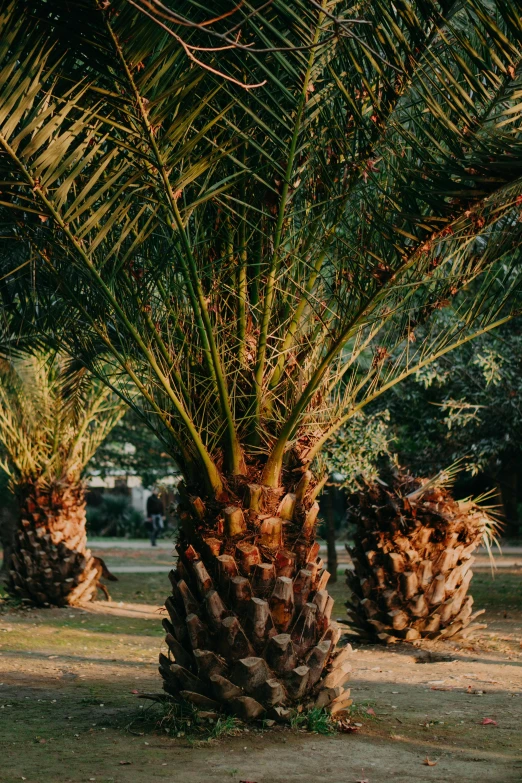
156 526
154 505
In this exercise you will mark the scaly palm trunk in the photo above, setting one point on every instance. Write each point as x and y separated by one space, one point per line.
250 630
50 562
412 559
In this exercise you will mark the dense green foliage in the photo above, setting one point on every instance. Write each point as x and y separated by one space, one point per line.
354 454
469 405
466 407
114 515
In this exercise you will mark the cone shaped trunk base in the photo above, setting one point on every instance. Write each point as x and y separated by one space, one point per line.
412 559
249 612
50 563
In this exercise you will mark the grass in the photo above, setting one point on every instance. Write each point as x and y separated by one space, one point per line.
359 710
182 720
498 590
140 588
316 721
494 591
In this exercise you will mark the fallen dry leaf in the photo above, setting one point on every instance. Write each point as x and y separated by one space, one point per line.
488 722
370 711
346 726
247 781
124 763
429 763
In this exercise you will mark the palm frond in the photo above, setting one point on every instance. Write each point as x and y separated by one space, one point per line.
51 422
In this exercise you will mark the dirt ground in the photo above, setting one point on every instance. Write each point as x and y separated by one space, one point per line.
70 712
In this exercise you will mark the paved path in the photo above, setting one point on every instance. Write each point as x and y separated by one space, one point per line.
143 543
125 543
137 569
482 563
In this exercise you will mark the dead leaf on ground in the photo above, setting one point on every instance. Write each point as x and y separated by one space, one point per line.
370 711
488 722
346 726
124 763
429 763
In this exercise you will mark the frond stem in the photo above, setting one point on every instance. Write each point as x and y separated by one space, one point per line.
274 262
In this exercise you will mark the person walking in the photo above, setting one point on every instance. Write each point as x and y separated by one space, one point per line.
155 517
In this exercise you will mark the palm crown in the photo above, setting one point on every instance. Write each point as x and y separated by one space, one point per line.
255 240
53 417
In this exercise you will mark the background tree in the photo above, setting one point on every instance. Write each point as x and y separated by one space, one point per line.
469 404
52 419
133 450
112 514
352 459
255 242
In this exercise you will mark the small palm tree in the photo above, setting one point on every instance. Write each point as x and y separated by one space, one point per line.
253 215
412 556
52 421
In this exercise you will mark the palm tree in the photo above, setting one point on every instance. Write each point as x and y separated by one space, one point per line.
52 419
252 215
412 556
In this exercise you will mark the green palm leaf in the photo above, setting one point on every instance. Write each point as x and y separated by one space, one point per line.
53 417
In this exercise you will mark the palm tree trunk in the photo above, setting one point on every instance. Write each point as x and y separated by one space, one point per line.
50 562
249 629
412 559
